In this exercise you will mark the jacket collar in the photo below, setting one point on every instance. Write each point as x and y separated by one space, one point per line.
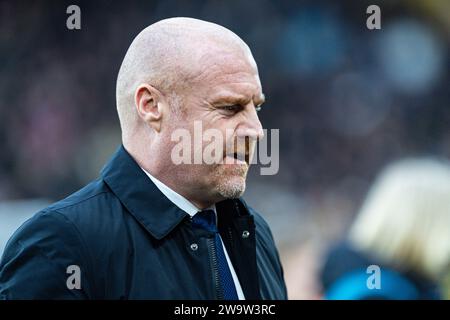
140 196
152 209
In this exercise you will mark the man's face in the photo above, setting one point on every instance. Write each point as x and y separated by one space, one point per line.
224 96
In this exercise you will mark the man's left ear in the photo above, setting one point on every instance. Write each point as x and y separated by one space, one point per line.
149 104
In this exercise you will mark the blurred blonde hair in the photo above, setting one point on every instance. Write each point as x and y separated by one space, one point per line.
405 219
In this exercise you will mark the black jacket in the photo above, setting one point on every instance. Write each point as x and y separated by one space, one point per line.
130 242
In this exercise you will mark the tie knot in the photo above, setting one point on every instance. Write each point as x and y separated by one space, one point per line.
205 219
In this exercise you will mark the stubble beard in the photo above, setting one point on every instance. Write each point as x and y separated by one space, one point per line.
231 180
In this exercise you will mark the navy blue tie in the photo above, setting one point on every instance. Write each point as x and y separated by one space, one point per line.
206 219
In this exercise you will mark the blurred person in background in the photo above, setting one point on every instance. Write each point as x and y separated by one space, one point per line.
404 228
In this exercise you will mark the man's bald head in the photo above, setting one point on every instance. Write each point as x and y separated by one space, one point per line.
170 55
180 72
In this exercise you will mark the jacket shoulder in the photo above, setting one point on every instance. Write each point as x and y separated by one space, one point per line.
90 193
63 234
262 227
92 209
35 260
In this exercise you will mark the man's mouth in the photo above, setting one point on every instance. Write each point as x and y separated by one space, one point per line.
238 158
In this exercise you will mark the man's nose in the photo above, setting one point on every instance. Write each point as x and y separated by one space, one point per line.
252 127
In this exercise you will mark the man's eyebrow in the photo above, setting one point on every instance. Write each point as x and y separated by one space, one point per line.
239 99
231 98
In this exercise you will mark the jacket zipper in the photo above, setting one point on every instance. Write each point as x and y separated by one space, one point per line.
215 270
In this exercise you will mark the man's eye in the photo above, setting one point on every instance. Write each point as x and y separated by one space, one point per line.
233 108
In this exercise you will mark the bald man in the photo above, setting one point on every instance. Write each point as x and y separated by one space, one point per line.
151 227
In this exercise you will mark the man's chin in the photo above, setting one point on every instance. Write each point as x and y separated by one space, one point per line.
231 187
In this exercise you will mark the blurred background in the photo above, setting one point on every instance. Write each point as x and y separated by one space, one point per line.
348 101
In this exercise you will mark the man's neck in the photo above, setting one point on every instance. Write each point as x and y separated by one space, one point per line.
186 204
199 203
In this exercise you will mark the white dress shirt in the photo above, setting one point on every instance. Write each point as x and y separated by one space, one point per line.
188 207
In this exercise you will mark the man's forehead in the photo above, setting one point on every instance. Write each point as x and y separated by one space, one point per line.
221 54
225 71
